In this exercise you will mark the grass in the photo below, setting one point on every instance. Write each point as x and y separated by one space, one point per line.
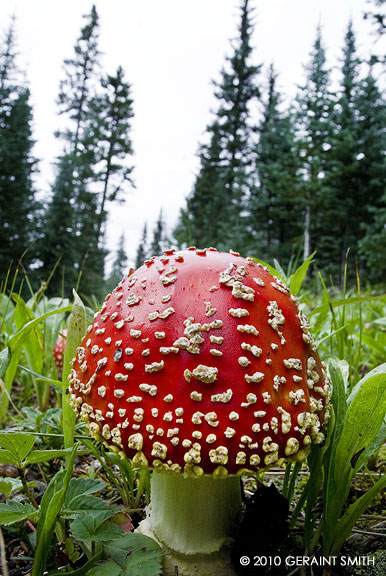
67 504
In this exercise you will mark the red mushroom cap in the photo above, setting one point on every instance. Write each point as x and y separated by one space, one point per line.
58 350
201 361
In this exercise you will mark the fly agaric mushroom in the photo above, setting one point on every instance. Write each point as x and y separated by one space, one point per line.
200 365
58 351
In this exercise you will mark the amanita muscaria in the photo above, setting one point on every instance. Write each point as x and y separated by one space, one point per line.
200 365
58 351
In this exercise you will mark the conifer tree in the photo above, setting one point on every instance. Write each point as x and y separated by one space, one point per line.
120 266
142 248
108 136
314 123
157 244
19 208
74 171
344 202
372 176
97 144
214 212
274 204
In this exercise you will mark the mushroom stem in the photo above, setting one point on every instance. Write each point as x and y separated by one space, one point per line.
193 519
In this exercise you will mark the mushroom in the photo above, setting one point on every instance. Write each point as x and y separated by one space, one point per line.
58 351
200 366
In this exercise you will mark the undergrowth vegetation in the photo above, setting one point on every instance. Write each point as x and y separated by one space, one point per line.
69 505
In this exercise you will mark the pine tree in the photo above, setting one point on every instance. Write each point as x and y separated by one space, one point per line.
119 266
142 249
343 198
108 136
214 212
19 208
274 204
314 124
77 242
372 175
157 244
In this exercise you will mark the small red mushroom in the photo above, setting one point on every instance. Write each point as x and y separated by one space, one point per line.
58 351
200 365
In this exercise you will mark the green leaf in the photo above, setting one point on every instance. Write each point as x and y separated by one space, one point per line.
18 443
9 485
50 508
77 325
82 487
352 514
297 278
18 339
5 358
273 270
365 416
128 543
12 512
92 527
46 455
8 457
90 504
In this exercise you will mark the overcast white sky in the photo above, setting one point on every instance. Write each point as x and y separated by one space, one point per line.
170 51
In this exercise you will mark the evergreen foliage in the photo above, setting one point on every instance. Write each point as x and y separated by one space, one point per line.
157 244
142 250
93 169
119 267
274 204
19 209
314 106
214 214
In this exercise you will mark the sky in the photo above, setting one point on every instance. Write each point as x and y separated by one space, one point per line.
171 51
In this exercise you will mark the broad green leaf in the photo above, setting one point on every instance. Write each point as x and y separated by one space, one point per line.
381 369
86 503
82 487
365 416
131 543
8 457
12 512
45 455
18 443
9 485
143 563
297 279
93 527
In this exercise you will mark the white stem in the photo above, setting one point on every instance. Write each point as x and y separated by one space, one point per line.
194 518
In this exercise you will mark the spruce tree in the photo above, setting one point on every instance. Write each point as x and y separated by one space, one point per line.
142 249
19 208
157 244
314 129
274 204
372 176
75 170
119 267
214 211
344 202
108 137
